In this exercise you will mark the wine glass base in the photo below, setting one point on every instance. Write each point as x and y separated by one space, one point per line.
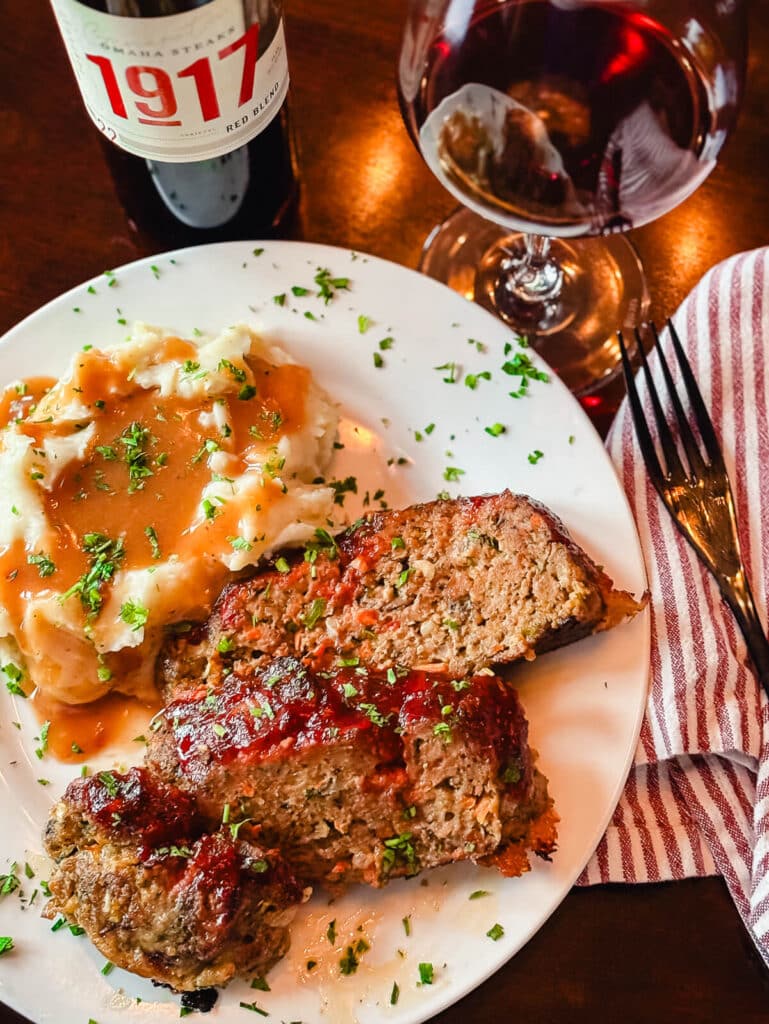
604 290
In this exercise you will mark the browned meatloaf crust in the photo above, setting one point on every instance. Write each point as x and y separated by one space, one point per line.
361 776
159 896
451 585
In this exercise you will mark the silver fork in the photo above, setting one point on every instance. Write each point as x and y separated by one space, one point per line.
695 489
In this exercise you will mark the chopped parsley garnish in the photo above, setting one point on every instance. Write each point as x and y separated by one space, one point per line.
247 392
298 290
341 487
134 614
522 366
219 729
397 542
107 452
399 849
406 922
351 959
386 343
209 509
403 578
364 323
45 566
328 285
331 932
9 883
535 456
313 613
279 300
282 565
240 543
495 429
496 932
13 677
309 316
429 428
107 968
442 729
236 372
471 379
394 994
374 715
110 783
225 645
254 1008
42 740
209 446
378 361
453 474
349 690
6 944
426 974
258 252
452 372
348 662
152 537
478 894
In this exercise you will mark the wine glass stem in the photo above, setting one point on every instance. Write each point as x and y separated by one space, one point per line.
533 276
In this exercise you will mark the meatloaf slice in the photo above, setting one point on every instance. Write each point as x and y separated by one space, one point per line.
159 896
360 775
451 585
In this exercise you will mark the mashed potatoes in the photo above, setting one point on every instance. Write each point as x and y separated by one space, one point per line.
134 487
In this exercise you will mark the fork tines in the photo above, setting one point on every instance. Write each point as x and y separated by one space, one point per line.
674 468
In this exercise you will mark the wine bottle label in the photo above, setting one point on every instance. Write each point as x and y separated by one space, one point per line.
177 88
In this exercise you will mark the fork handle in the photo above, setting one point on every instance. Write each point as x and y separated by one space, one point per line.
739 597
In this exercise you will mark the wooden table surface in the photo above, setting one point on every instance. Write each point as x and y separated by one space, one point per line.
658 953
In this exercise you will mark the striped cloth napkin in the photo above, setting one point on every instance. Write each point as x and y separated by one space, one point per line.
697 799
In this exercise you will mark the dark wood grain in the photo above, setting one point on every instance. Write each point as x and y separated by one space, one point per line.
632 954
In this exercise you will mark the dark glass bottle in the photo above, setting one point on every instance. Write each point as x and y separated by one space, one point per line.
168 80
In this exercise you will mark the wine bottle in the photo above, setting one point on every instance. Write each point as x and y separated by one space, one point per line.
191 99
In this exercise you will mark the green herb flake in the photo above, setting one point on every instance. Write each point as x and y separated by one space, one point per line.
386 343
298 290
282 565
254 1009
240 543
378 361
279 300
478 894
152 537
535 456
331 931
45 566
218 729
134 614
471 379
426 974
397 542
453 474
13 677
260 984
394 994
495 429
496 932
349 690
107 968
6 944
451 377
311 615
364 323
42 740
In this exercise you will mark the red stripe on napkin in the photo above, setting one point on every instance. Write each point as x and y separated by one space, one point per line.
697 799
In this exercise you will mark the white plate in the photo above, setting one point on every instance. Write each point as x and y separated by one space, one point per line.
584 703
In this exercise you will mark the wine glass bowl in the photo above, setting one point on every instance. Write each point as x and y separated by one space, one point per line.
559 125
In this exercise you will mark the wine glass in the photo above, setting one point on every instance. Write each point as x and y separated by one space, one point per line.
552 120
